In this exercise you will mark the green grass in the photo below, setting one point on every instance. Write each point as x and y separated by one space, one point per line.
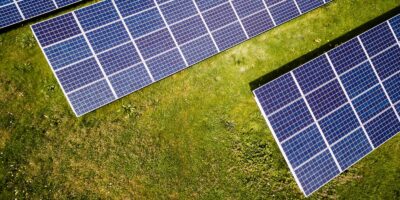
195 135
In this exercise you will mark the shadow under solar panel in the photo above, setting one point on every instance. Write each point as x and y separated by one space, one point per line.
141 42
332 111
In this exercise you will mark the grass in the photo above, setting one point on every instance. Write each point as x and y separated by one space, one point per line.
195 135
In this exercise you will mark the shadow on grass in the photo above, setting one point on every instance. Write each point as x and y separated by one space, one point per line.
43 17
319 51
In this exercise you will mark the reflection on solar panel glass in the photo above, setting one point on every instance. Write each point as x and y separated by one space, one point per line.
118 47
15 11
332 111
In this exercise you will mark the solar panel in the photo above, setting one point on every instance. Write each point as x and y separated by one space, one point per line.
332 111
123 46
15 11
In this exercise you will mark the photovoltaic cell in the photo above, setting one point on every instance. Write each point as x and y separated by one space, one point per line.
163 37
332 111
15 11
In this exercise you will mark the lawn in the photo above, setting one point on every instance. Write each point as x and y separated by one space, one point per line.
196 135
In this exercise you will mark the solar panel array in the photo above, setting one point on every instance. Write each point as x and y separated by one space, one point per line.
105 51
15 11
334 110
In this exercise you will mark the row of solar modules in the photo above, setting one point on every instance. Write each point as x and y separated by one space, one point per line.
332 111
105 51
15 11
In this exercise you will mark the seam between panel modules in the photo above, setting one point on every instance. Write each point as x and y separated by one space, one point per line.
55 3
54 73
123 18
333 79
349 100
61 41
238 19
316 121
398 43
377 115
285 106
94 55
279 144
9 4
276 4
379 78
311 158
205 24
85 86
133 42
298 132
19 10
394 34
297 6
347 135
170 32
325 116
217 6
269 13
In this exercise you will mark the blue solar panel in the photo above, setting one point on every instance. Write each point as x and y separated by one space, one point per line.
339 123
79 75
388 62
178 10
282 121
395 24
326 99
377 39
119 58
284 11
164 36
332 111
107 37
189 29
359 79
311 175
91 97
12 12
347 56
41 6
257 23
371 103
229 36
5 2
383 127
130 79
281 92
314 74
198 50
307 5
351 148
166 64
9 15
391 85
68 52
57 30
303 146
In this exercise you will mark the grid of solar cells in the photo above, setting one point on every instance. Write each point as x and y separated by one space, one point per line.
15 11
332 111
135 43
